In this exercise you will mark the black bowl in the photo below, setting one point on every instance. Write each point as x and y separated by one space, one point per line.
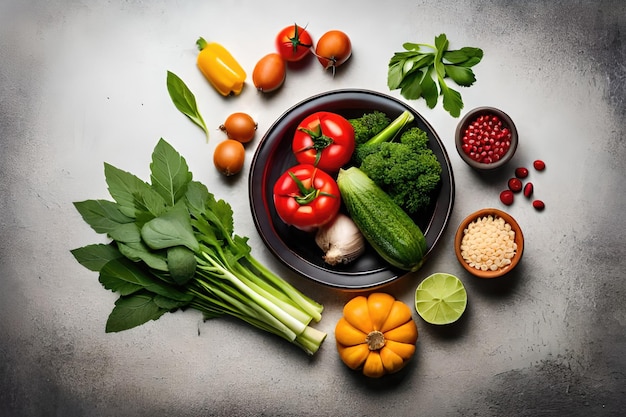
297 249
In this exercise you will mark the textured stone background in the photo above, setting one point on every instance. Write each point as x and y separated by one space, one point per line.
83 82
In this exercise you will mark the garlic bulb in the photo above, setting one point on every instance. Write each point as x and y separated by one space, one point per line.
341 240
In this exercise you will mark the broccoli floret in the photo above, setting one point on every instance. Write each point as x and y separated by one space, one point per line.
407 170
368 125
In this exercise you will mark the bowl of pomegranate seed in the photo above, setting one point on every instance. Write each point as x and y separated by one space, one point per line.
486 138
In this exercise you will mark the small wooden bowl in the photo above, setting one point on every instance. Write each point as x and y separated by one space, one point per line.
519 240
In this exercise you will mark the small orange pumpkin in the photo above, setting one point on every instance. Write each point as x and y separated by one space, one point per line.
376 334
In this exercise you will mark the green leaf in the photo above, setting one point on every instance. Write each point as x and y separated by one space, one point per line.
102 215
181 263
94 257
185 101
127 233
133 311
461 75
452 101
169 173
395 75
441 44
127 277
132 194
411 87
138 251
170 229
168 303
463 56
430 92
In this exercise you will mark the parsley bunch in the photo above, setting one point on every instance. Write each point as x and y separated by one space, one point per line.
417 71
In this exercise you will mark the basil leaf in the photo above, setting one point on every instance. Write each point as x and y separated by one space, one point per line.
170 229
102 215
94 257
132 194
133 311
184 100
138 251
169 173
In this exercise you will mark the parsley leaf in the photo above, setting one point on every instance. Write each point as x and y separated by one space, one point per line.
421 71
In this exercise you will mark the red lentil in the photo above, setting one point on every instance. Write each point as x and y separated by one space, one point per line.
528 189
515 185
507 197
521 172
539 165
539 205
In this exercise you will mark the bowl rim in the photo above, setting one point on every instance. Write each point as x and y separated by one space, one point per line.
464 122
519 240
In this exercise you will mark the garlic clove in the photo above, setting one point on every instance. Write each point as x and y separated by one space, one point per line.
341 240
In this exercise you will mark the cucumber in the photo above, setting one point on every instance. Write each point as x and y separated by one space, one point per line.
387 228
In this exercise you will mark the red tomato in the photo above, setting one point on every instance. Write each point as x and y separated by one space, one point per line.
306 197
293 43
324 139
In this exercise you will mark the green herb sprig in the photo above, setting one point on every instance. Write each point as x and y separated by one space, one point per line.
185 101
421 67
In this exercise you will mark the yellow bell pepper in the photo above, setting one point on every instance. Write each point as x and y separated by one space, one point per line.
220 68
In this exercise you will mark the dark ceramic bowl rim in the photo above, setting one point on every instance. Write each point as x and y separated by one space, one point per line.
298 252
467 119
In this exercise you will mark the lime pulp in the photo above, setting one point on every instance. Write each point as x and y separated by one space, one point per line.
440 298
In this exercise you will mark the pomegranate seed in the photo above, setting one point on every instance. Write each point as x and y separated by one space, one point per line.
539 205
507 197
491 138
521 172
539 165
528 189
515 185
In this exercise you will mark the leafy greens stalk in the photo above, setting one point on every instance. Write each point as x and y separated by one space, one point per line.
173 247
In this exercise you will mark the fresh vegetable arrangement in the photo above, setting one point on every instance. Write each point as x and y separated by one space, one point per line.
420 68
173 247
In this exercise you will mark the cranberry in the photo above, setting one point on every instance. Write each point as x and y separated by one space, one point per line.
539 165
528 189
486 139
539 205
521 172
515 185
507 197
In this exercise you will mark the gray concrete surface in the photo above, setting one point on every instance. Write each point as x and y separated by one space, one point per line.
83 83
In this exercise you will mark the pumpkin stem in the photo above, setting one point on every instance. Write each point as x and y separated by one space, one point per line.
375 340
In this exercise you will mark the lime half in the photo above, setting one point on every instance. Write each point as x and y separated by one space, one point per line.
440 299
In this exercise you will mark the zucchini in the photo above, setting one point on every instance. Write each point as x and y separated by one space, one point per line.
387 228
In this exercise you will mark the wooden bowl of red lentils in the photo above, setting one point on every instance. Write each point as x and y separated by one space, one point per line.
486 138
489 243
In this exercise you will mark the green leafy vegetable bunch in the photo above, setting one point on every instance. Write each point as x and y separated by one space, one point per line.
173 247
421 70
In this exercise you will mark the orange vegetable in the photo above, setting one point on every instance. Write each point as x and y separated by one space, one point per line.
377 334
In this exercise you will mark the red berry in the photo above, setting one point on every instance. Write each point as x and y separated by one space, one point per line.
507 197
487 138
528 189
521 172
539 165
515 185
539 205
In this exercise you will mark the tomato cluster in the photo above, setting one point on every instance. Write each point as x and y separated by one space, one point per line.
306 196
294 43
